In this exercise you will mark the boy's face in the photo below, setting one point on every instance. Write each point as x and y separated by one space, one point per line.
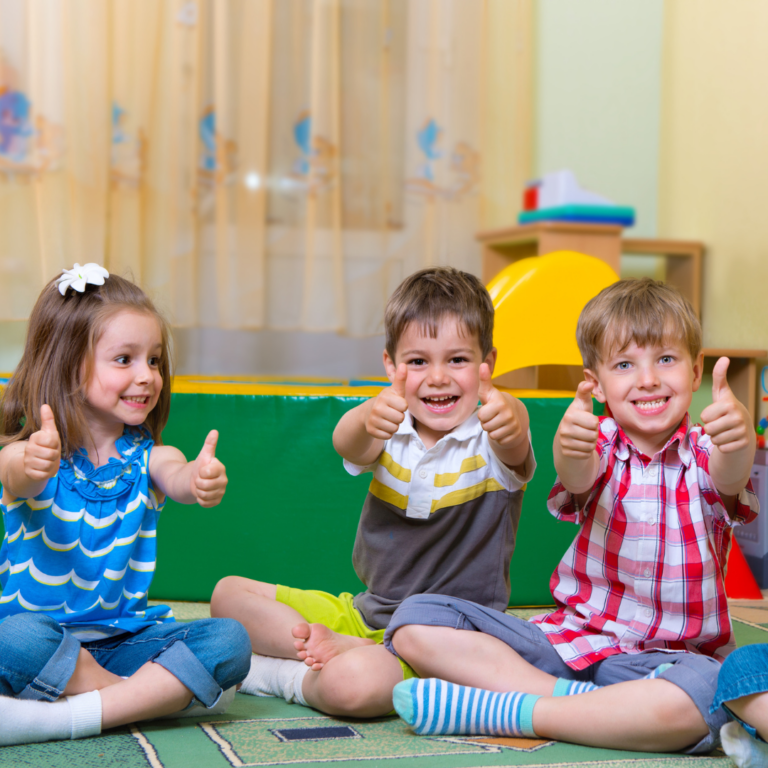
648 389
443 376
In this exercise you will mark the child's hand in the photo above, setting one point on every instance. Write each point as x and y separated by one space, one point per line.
497 415
726 421
389 407
43 450
209 477
579 428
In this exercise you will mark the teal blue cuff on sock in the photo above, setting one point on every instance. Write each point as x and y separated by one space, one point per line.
562 687
526 715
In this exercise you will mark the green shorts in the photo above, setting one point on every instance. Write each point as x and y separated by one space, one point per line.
337 613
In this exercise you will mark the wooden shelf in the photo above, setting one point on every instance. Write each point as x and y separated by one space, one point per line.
504 246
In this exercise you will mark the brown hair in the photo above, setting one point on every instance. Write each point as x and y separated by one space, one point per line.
427 296
58 360
644 311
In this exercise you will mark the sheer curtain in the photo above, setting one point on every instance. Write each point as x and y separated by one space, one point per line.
276 164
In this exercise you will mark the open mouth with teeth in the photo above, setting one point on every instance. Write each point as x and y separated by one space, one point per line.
137 401
440 403
651 406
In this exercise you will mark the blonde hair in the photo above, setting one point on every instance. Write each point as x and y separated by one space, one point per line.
429 295
58 360
644 311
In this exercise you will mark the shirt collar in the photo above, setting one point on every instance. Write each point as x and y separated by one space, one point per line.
465 430
622 445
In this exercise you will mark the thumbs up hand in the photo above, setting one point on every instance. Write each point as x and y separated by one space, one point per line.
497 414
387 410
43 449
209 476
578 431
726 421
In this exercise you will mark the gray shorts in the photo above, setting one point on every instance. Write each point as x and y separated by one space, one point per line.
694 673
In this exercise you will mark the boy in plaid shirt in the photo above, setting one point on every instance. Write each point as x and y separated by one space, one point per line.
641 621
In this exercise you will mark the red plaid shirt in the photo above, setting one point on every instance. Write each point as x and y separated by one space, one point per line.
646 571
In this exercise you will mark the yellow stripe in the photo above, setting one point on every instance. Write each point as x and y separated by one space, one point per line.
394 469
380 491
468 465
463 495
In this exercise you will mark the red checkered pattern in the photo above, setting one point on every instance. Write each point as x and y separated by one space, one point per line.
646 571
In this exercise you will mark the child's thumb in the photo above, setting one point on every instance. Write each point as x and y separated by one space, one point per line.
583 399
486 387
47 422
208 453
720 379
401 375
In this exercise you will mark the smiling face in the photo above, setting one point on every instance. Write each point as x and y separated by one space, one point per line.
443 376
648 389
125 381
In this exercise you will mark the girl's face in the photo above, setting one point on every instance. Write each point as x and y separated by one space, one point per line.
125 381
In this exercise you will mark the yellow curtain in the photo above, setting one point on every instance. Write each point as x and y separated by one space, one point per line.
257 163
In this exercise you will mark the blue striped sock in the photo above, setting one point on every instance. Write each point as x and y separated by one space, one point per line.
565 687
438 707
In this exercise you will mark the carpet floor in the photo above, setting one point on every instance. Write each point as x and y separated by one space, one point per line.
269 732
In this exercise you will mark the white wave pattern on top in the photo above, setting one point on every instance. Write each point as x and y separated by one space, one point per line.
69 516
69 546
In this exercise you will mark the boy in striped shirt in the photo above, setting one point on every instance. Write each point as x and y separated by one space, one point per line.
641 621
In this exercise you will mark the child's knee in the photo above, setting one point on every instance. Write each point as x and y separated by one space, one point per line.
231 648
29 644
411 640
230 591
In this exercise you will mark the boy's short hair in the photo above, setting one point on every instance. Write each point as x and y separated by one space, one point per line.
427 296
640 310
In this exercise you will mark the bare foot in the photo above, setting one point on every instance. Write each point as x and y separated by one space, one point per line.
317 645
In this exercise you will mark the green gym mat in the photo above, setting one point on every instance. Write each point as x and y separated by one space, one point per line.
268 732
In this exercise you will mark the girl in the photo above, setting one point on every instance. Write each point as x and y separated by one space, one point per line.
742 690
84 477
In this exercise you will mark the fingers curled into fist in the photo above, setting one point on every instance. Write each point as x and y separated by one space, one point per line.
579 429
388 408
42 453
209 478
497 414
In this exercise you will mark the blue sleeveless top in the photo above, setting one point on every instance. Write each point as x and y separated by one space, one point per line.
84 550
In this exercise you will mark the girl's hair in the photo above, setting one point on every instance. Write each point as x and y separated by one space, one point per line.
58 360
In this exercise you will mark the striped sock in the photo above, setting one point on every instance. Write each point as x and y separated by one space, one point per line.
438 707
656 672
565 687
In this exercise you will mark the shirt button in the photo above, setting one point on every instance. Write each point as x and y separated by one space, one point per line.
651 521
652 470
647 572
422 473
649 612
628 646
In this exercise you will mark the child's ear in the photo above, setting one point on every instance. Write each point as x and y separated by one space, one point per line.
490 359
698 371
389 366
597 390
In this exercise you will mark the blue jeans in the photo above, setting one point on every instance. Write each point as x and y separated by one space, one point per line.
38 655
743 673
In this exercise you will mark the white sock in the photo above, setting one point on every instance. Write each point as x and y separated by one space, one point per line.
739 745
276 677
219 708
26 722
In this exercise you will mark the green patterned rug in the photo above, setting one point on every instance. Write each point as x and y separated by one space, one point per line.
269 732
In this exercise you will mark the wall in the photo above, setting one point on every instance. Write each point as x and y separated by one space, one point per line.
598 81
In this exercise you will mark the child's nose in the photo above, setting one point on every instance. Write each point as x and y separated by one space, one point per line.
648 376
437 374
